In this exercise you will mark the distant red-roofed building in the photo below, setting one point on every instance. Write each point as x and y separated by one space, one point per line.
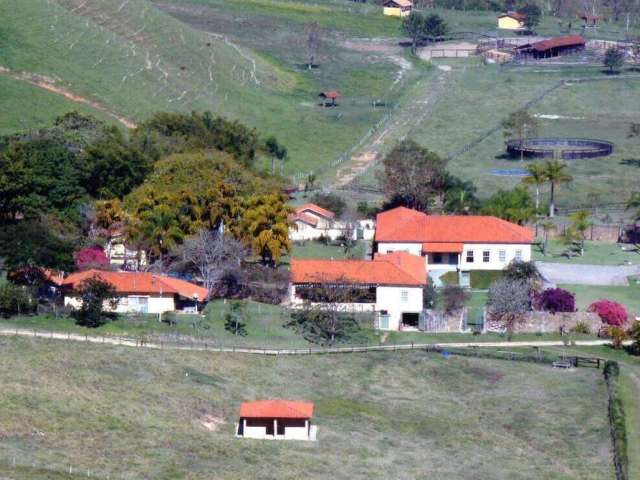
276 420
389 285
453 243
141 292
313 222
553 47
512 21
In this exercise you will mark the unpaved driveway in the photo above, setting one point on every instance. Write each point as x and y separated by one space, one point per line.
587 274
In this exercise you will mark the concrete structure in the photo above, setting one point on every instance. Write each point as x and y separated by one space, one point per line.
511 21
397 8
313 222
140 292
276 420
122 255
390 286
453 243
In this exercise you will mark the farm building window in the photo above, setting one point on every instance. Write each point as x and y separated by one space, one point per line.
486 256
404 296
336 293
502 255
469 256
518 255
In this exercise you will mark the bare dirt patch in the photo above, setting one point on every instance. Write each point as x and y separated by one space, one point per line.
373 45
211 422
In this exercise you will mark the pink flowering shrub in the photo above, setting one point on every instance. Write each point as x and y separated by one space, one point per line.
610 312
90 257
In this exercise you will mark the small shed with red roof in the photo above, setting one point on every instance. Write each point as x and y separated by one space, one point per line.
553 47
276 420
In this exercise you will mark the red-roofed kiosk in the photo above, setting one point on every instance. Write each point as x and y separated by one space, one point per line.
277 420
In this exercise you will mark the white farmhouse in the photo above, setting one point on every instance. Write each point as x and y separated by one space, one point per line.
140 292
312 222
453 243
390 285
276 420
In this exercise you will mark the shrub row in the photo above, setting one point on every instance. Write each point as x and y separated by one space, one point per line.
617 420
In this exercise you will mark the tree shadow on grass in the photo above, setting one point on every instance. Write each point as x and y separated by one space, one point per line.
632 162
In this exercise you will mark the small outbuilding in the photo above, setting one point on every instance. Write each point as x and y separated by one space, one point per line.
553 47
397 8
277 420
511 21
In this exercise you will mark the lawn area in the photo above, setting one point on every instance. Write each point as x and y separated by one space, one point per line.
587 294
595 253
144 414
313 249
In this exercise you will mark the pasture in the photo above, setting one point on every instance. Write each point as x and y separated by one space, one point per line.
159 414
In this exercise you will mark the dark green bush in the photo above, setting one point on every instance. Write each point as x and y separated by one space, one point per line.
15 299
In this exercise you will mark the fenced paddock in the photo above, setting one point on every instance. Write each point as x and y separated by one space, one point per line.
565 148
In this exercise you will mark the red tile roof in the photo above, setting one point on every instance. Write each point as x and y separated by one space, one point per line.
140 283
410 226
400 3
398 268
515 15
306 218
330 94
276 409
567 41
442 247
315 209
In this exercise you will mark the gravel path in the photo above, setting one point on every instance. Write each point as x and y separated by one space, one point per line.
587 274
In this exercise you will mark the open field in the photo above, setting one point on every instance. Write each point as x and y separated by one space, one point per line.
313 249
595 253
168 415
479 97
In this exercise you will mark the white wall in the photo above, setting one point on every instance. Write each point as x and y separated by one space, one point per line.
390 299
155 304
478 249
494 257
293 429
412 248
332 230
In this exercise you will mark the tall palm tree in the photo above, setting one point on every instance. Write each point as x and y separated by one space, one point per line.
547 227
161 228
537 177
556 174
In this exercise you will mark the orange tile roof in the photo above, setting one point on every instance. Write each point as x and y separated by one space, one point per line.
398 268
566 41
402 224
442 247
401 3
316 209
276 409
306 218
140 283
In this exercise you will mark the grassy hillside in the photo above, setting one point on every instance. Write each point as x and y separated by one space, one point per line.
168 415
135 59
25 106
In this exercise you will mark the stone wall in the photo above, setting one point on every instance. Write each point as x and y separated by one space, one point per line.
546 322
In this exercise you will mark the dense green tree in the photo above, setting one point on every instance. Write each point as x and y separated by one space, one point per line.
413 176
31 243
513 205
330 201
460 196
434 26
15 300
276 151
532 14
521 125
235 319
413 27
168 133
577 231
614 59
94 293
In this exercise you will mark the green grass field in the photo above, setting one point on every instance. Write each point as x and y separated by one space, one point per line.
595 253
312 249
152 414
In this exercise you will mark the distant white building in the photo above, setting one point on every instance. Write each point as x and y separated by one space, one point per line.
276 420
312 222
391 286
459 243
